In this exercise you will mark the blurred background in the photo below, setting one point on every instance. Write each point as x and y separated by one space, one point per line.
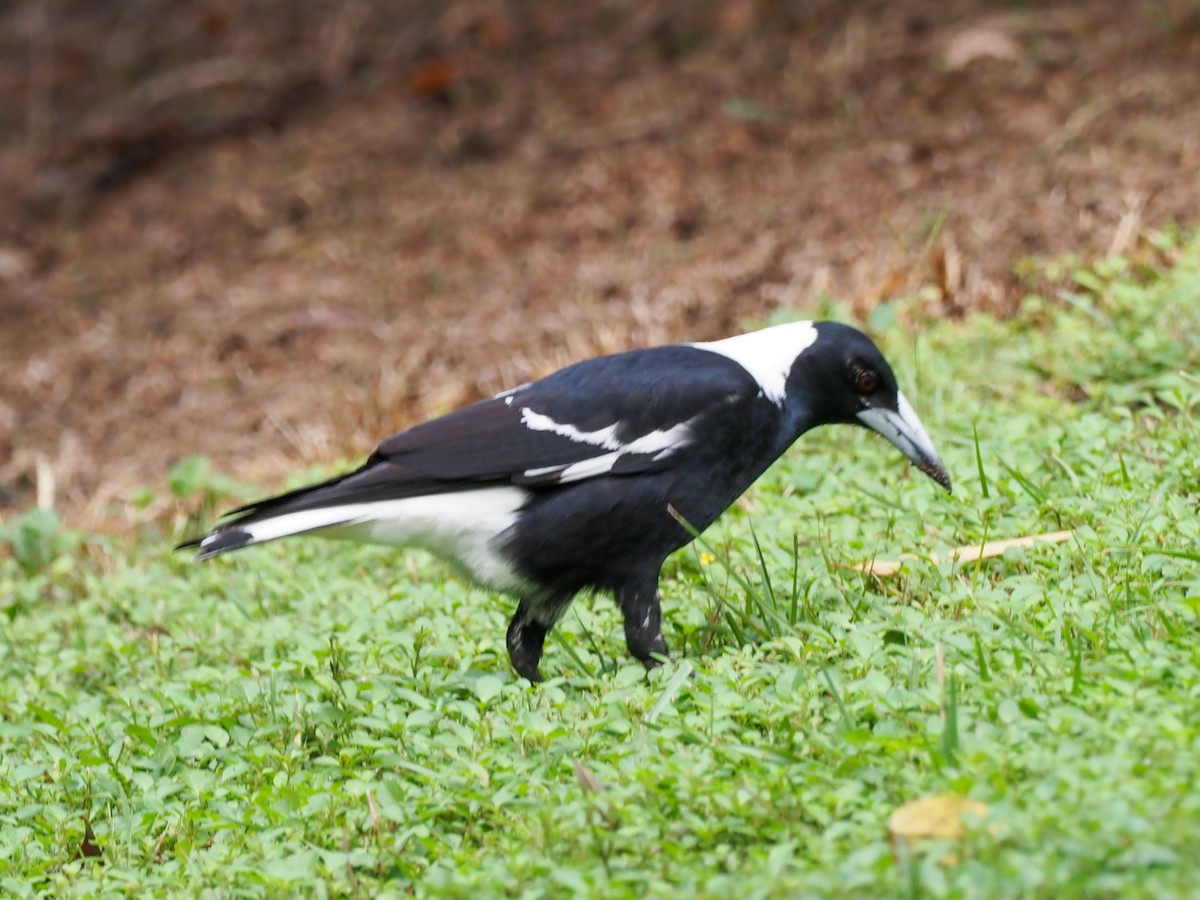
273 233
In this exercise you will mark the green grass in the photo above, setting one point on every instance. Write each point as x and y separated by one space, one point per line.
316 719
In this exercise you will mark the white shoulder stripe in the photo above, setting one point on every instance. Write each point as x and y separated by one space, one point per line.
768 354
604 437
595 466
587 468
657 444
656 441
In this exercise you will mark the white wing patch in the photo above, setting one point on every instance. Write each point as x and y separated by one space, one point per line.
462 528
768 354
659 443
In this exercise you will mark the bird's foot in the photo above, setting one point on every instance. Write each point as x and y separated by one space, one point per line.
526 637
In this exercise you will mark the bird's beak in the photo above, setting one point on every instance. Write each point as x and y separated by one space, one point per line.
902 427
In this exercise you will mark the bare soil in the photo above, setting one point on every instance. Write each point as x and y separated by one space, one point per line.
274 233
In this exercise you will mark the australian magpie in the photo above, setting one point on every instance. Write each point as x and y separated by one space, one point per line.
580 480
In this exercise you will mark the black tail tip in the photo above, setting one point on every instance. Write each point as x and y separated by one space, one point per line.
216 543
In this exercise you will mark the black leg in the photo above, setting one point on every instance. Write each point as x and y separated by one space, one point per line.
527 632
638 601
526 636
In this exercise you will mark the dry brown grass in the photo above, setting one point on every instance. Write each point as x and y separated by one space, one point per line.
274 237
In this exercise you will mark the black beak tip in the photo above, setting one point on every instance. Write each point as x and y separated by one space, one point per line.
940 475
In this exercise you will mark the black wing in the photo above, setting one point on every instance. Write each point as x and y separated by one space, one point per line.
615 415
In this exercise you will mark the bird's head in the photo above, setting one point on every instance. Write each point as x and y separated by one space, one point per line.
846 380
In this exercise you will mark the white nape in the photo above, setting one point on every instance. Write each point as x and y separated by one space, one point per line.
768 354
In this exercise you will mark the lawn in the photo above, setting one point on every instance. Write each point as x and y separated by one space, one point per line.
316 719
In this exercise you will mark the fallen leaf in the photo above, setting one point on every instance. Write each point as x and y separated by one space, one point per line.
983 42
589 782
973 552
15 264
88 848
939 816
433 79
967 553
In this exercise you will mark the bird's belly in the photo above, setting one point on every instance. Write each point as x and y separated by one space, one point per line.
464 528
593 534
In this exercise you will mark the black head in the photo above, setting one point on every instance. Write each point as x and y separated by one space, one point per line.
842 378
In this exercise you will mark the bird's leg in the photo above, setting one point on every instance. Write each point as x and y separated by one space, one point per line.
638 601
526 636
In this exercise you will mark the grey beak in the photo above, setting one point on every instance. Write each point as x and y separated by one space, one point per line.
902 427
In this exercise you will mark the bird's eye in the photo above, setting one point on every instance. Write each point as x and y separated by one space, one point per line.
865 381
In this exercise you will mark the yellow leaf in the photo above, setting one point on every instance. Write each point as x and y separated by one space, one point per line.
940 816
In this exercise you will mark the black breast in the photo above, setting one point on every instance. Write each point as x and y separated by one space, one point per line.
596 533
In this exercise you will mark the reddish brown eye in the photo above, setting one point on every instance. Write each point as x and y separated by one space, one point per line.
865 381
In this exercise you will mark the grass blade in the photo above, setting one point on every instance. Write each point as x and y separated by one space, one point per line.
983 481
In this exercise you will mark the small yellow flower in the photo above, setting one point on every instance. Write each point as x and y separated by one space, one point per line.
706 558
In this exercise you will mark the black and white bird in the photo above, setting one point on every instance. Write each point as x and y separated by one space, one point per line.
579 481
